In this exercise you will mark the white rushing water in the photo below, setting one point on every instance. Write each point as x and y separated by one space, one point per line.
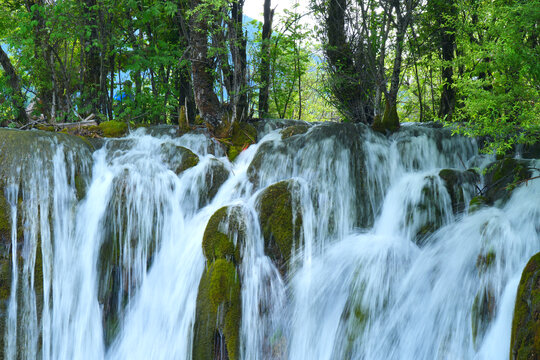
113 273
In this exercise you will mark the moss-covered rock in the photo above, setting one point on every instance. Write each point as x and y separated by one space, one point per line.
483 312
503 176
294 130
215 176
281 224
5 219
242 135
113 128
178 158
485 261
477 203
427 214
224 235
525 340
218 312
455 182
264 150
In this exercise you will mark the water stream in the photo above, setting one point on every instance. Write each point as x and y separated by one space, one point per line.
386 266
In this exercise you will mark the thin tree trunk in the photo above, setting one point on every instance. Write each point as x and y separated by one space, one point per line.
17 97
264 70
448 44
237 42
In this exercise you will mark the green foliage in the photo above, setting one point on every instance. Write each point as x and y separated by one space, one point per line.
499 85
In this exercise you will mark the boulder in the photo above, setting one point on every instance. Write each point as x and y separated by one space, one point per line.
294 130
525 339
178 158
281 223
457 182
216 175
502 177
242 135
218 311
427 214
482 313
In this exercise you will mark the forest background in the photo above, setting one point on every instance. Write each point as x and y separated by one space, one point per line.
470 63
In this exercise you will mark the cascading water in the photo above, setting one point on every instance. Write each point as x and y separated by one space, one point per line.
106 249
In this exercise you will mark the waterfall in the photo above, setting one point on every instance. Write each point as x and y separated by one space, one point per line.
388 261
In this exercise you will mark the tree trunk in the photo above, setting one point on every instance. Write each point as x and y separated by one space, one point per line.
264 70
42 54
91 82
203 80
448 45
17 97
351 87
237 42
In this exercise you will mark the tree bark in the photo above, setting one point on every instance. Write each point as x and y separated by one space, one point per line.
238 42
203 80
17 97
265 60
448 45
350 81
90 91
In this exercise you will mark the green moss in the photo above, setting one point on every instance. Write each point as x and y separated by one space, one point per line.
189 160
276 217
485 261
217 244
5 279
389 120
183 123
178 158
476 203
503 176
45 127
525 340
5 219
113 128
80 186
482 313
242 135
218 312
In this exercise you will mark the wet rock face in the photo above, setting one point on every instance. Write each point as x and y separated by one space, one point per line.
281 223
306 154
502 176
216 175
456 181
241 136
218 311
525 341
427 214
482 314
179 158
